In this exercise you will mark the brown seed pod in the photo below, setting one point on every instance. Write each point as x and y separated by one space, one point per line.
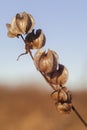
58 77
25 22
62 95
20 24
64 108
46 61
35 40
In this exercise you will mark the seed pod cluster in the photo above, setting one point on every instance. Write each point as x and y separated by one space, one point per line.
47 62
56 74
23 23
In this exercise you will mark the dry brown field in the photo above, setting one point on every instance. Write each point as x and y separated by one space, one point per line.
33 109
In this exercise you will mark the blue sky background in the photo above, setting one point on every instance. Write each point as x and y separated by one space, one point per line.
64 23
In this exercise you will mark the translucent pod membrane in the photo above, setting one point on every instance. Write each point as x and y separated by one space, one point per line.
35 40
21 23
46 62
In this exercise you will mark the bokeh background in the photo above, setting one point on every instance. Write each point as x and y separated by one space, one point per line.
25 101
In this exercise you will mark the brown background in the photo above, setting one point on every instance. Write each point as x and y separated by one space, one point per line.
33 109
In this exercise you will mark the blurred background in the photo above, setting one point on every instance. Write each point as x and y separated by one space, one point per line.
65 26
25 101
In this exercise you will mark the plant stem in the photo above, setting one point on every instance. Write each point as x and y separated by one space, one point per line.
29 49
79 116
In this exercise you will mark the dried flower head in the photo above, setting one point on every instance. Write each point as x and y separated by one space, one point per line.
35 40
46 62
20 24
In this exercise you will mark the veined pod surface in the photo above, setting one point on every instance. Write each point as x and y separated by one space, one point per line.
58 77
25 22
46 62
35 40
20 24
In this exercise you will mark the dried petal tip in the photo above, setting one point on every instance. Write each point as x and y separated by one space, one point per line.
20 24
35 40
46 62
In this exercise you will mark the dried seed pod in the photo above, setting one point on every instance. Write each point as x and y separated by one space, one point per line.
25 22
64 108
13 30
62 95
20 24
35 40
58 77
46 62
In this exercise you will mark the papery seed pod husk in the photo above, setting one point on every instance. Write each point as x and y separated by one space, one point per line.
64 108
35 40
59 77
25 22
13 30
47 62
